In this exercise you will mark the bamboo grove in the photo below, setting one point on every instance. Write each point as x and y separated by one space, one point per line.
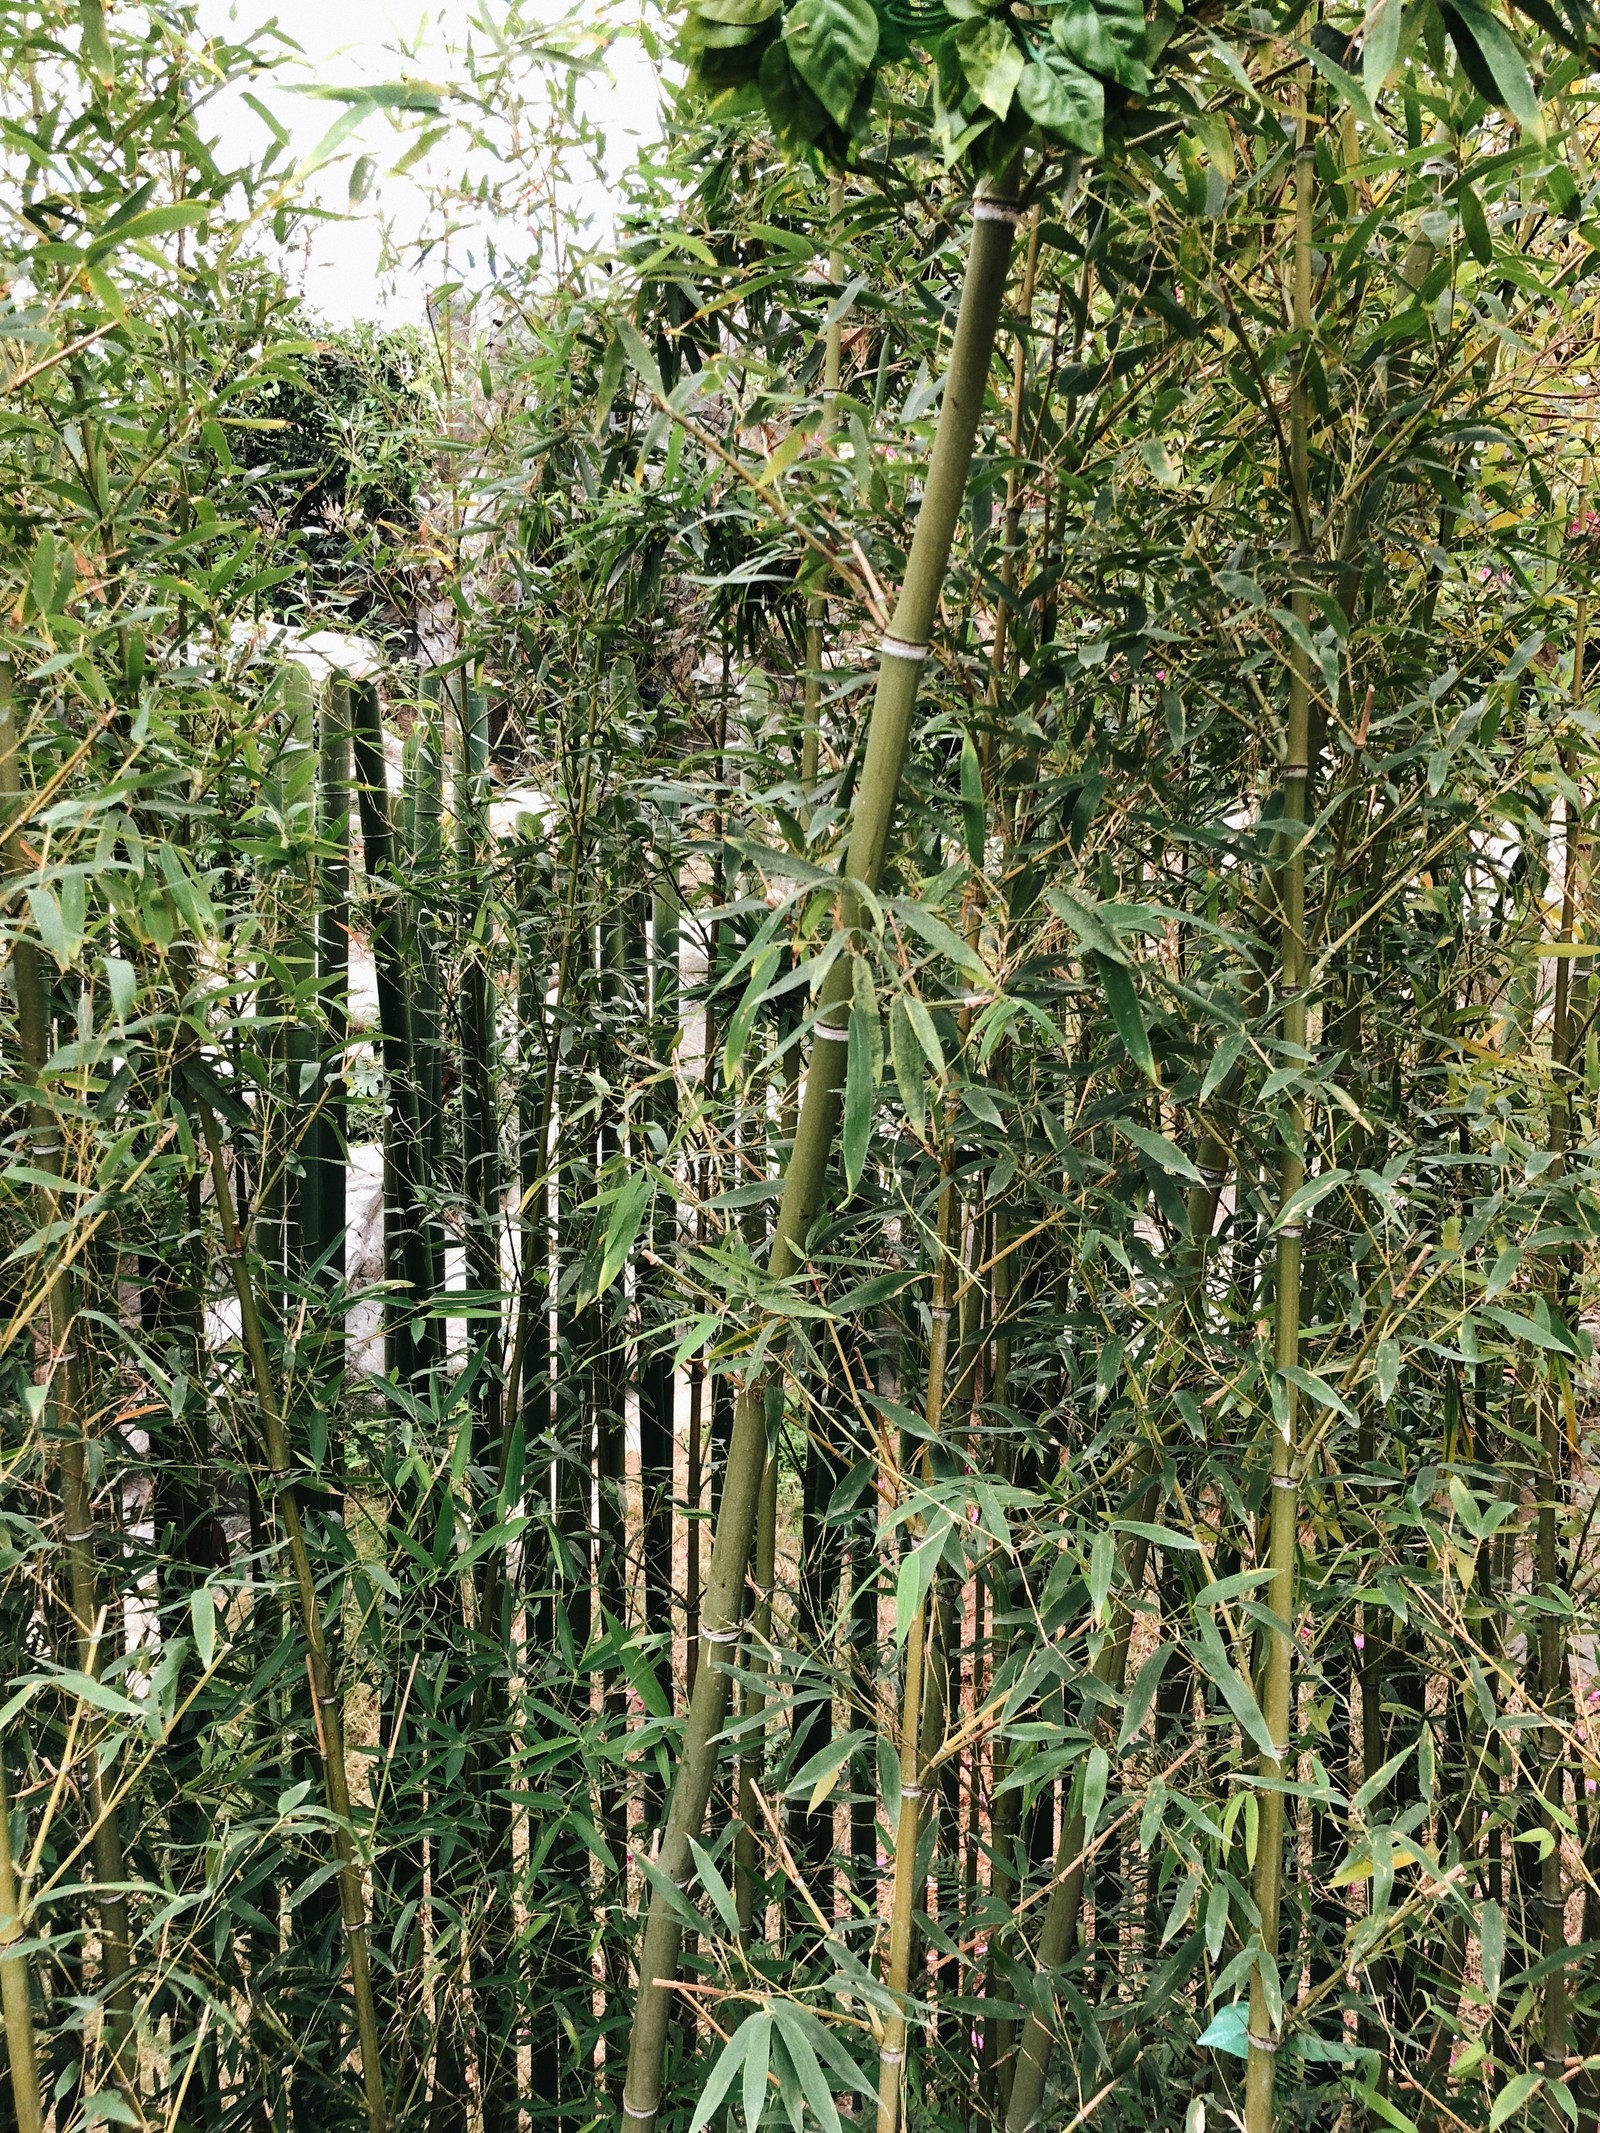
800 1085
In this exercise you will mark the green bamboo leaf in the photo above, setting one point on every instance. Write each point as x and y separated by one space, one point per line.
1102 1569
1491 58
792 2031
729 2060
756 2062
816 1777
858 1098
1096 1776
1512 2098
1162 1152
1307 1195
916 1574
1474 222
203 1618
742 1020
1492 1947
622 1228
1122 998
715 1887
1091 929
1527 1329
927 1035
154 222
910 1072
96 45
1236 1693
1380 45
50 923
972 800
943 939
1162 1537
639 356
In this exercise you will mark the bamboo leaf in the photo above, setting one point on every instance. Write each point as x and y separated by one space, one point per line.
1096 1775
1380 45
859 1095
729 2060
757 2059
1512 2097
622 1228
820 1772
203 1617
1162 1152
972 801
1123 1000
794 2029
1492 1947
1236 1694
715 1887
910 1072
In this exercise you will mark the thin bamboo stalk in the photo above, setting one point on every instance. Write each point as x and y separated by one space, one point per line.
873 818
1265 2024
325 1698
16 1987
817 603
69 1429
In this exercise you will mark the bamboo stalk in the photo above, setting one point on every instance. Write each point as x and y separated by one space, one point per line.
16 1988
805 1174
817 603
1265 2027
69 1430
329 1724
920 1712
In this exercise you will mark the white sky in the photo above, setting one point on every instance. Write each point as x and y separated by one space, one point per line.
348 42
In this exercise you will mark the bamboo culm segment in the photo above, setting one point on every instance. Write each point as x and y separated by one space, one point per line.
982 296
1265 2032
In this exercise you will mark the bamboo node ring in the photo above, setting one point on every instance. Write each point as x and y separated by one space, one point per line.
639 2117
911 1792
1261 2044
1293 1230
891 2056
1284 1481
834 1036
72 1539
903 648
986 210
720 1636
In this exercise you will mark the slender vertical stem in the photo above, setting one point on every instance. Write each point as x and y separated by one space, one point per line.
898 673
817 605
16 1989
1266 2007
68 1425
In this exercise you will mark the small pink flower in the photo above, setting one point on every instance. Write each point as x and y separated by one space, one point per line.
1361 1644
1591 1785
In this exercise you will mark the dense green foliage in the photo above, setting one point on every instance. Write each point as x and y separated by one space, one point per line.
1161 1666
